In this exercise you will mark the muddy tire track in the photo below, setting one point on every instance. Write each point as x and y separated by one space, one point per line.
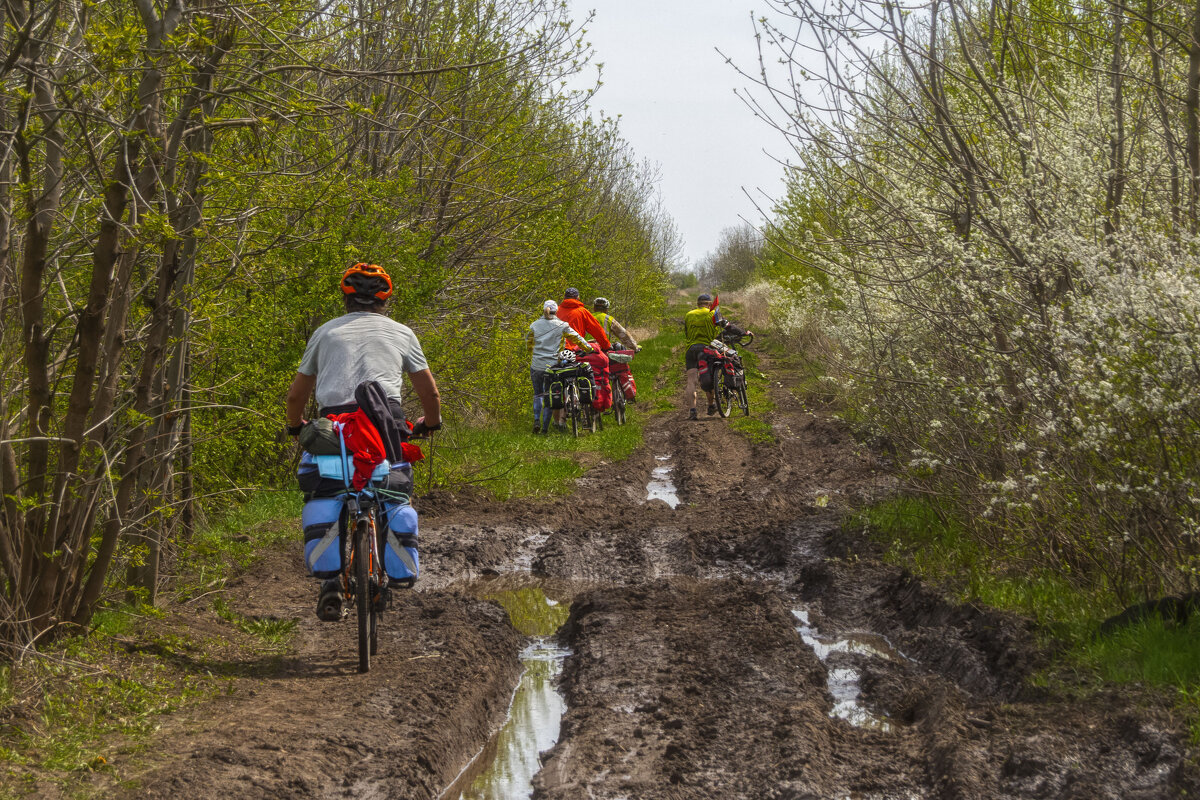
689 675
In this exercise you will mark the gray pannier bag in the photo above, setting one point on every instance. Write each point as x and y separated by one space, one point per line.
320 438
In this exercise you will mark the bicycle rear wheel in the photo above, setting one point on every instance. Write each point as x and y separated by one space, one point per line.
721 395
572 403
618 395
362 592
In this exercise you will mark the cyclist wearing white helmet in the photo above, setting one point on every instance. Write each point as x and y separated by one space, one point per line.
545 338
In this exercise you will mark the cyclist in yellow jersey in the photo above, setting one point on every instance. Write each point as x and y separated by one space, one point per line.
700 326
612 328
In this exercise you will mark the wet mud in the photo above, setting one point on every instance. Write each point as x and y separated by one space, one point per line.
722 635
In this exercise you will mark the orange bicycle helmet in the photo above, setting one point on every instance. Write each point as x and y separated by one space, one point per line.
368 283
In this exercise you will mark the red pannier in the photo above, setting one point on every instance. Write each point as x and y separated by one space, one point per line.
599 364
710 366
623 372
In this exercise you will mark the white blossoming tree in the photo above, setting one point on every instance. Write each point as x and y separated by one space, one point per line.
994 219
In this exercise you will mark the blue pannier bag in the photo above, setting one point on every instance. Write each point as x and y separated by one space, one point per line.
322 539
400 542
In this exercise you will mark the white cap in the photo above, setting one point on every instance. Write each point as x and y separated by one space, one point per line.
550 307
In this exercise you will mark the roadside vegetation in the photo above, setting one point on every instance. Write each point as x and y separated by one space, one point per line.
994 275
999 274
1152 651
73 703
182 185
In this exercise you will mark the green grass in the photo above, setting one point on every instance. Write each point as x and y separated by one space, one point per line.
233 541
754 427
87 695
275 634
1153 653
83 697
919 538
510 461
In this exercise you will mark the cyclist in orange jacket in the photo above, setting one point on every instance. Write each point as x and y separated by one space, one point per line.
576 314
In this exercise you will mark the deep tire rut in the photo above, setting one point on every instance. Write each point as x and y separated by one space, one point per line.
689 676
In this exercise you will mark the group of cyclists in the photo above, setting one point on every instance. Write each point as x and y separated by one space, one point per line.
569 325
364 348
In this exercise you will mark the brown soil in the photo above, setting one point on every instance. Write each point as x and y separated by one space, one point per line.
688 677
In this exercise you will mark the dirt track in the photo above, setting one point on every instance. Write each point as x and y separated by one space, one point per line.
689 676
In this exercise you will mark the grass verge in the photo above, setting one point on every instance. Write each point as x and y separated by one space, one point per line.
754 427
1153 653
510 461
68 709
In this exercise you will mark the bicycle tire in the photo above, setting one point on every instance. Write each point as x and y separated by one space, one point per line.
743 400
376 601
572 394
362 593
618 400
720 394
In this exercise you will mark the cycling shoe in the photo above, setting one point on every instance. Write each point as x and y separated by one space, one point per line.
329 604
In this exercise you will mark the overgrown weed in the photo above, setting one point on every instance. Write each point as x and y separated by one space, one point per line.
917 535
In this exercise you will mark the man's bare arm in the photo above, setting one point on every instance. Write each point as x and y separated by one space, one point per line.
297 397
431 402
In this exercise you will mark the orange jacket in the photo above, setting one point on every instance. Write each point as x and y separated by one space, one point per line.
575 314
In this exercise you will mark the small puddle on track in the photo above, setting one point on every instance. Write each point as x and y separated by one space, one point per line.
661 487
504 770
844 682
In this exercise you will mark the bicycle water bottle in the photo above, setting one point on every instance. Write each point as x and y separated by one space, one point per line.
322 542
400 548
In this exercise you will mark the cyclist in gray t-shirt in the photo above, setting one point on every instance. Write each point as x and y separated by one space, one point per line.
362 345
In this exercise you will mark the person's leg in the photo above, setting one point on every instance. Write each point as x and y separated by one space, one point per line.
536 377
689 397
544 391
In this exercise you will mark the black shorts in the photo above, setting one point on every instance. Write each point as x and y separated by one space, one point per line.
692 359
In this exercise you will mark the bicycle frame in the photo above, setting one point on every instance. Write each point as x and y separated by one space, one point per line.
363 577
357 512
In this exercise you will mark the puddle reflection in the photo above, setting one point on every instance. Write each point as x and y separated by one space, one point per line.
505 769
844 682
661 487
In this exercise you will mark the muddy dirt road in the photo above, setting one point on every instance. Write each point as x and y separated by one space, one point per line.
730 640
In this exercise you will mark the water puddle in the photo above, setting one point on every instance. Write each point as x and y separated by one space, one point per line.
845 682
505 768
661 487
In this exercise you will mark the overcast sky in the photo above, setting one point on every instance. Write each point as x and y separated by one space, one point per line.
675 96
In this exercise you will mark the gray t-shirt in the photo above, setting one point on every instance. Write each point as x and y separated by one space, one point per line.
356 347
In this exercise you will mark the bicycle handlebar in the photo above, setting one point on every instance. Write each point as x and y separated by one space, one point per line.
741 339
